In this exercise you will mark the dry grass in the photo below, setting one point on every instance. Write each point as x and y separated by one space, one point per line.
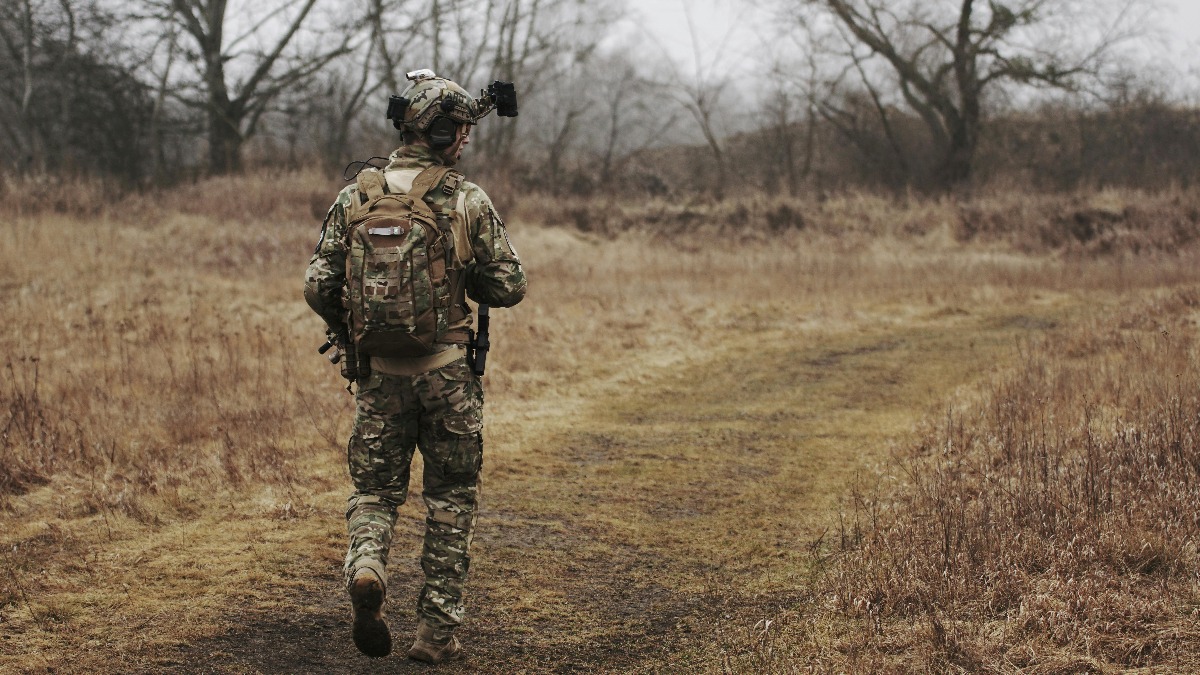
1049 526
162 408
140 355
160 393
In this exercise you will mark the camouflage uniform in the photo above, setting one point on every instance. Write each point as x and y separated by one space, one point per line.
399 408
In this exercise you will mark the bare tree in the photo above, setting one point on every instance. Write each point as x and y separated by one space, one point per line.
945 56
234 102
69 96
857 110
568 93
22 23
169 43
700 91
701 97
534 44
632 117
790 113
570 104
371 67
459 34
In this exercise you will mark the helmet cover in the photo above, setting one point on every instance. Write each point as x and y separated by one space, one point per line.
431 97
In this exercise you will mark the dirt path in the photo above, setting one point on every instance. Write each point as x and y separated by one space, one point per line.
651 529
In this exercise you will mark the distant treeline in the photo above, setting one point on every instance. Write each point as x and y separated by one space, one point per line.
1142 144
152 92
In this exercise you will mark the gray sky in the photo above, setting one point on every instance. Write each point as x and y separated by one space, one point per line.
716 23
743 27
1182 23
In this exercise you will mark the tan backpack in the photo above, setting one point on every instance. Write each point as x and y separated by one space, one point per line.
404 284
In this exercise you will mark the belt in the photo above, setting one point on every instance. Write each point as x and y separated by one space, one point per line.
417 364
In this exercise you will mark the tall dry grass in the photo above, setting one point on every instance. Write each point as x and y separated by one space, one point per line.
148 384
1049 525
145 349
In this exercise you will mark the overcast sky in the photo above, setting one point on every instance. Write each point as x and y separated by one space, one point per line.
744 29
714 21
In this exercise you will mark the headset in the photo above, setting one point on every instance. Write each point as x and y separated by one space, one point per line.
443 130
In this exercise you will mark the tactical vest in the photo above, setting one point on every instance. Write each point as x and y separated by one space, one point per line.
405 280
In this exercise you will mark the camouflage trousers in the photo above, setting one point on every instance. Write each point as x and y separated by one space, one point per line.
441 413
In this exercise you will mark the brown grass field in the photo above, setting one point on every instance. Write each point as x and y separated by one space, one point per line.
757 435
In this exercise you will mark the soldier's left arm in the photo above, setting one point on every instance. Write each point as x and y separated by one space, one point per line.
496 276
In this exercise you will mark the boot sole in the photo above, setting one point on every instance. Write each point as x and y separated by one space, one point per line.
370 631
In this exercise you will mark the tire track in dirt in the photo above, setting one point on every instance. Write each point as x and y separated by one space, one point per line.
652 529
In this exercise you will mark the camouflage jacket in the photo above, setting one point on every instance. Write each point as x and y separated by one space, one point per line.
494 276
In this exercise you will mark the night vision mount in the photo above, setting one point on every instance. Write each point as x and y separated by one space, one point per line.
499 96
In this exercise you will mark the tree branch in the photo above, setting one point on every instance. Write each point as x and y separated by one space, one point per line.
264 67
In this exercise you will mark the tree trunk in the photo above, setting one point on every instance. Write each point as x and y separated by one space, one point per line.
224 144
955 169
34 158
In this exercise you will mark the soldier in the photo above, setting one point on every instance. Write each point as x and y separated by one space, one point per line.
431 402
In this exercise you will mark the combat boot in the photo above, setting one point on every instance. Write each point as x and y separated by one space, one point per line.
434 646
370 631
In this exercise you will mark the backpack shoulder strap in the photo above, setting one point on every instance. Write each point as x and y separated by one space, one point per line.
453 212
427 179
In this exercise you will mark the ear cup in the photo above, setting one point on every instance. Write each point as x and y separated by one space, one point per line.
442 132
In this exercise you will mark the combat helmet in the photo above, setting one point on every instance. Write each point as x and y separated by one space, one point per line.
433 107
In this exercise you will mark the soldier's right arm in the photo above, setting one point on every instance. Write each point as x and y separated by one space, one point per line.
326 275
